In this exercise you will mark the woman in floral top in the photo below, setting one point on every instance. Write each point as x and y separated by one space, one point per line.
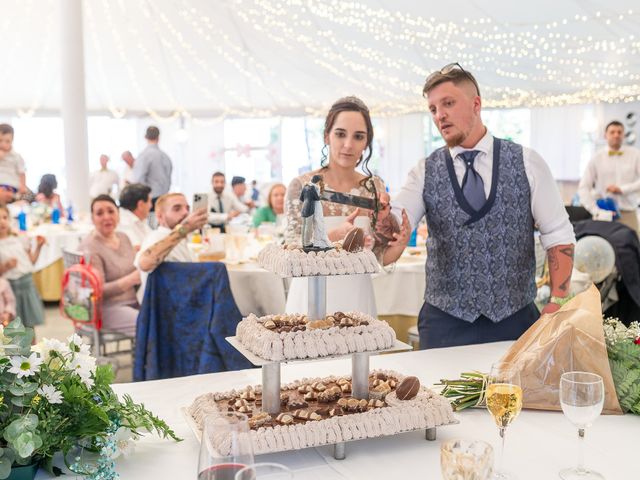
348 134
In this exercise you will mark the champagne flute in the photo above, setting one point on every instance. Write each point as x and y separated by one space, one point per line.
265 471
225 447
504 402
581 399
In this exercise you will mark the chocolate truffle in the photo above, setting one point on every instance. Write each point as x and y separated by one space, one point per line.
408 388
354 240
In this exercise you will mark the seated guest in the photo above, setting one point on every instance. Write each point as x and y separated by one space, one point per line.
102 181
274 207
46 192
239 187
135 205
112 256
7 303
168 242
223 205
6 195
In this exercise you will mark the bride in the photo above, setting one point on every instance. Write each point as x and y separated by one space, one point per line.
348 134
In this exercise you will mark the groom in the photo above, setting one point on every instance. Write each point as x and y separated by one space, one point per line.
481 197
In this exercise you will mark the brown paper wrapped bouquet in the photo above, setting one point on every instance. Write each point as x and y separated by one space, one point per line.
571 339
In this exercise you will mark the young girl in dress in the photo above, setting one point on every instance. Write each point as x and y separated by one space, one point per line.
7 303
16 265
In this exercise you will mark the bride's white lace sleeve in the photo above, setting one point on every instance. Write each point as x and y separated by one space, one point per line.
293 209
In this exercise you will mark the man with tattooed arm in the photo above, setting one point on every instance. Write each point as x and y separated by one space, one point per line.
168 243
481 197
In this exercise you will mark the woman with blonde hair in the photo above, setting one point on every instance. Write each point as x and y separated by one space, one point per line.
274 208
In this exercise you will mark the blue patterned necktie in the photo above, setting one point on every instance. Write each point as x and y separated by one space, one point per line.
472 184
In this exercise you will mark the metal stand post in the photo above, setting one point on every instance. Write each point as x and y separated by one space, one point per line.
430 434
271 388
360 375
317 298
339 451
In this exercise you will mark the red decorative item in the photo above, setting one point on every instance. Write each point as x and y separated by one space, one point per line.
637 341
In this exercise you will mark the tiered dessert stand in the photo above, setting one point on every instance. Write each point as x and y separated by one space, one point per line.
359 362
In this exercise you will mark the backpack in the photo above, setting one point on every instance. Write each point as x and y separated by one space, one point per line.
81 300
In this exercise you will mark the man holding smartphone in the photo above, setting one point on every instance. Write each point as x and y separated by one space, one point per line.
168 242
223 205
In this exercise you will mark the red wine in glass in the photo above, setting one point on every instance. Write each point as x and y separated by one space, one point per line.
223 471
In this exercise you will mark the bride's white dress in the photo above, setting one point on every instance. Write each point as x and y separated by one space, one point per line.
344 293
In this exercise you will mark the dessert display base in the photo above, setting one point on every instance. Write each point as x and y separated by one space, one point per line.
314 426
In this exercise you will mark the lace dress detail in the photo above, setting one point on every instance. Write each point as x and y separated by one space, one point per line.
293 207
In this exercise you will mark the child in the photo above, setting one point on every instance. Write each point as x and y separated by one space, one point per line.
12 170
16 265
7 303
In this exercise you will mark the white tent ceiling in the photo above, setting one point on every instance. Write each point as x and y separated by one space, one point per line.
262 57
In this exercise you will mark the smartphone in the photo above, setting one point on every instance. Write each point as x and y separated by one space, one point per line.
200 200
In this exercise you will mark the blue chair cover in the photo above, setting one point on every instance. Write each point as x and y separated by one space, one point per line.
187 311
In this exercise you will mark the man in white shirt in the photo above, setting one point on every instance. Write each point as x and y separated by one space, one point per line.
127 174
223 205
135 205
102 181
613 172
481 197
239 187
169 241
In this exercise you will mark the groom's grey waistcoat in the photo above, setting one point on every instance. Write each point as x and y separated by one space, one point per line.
479 263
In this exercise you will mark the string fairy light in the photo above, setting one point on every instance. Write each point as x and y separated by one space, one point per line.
376 51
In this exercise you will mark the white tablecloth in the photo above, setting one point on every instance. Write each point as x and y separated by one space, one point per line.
399 289
255 290
58 237
538 444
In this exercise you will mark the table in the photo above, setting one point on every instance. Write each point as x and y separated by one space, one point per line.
256 290
49 267
538 444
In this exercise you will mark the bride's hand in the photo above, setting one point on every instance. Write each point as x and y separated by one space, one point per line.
339 233
369 242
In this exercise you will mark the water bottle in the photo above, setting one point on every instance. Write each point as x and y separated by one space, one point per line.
22 221
413 239
70 214
55 216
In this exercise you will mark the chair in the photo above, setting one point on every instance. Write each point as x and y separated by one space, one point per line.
187 311
577 213
106 344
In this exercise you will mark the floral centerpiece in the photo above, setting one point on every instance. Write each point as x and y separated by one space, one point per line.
53 398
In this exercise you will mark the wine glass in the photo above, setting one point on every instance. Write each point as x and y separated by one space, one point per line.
581 399
225 447
466 460
265 471
504 402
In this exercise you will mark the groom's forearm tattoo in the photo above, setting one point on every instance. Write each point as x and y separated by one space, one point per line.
560 267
